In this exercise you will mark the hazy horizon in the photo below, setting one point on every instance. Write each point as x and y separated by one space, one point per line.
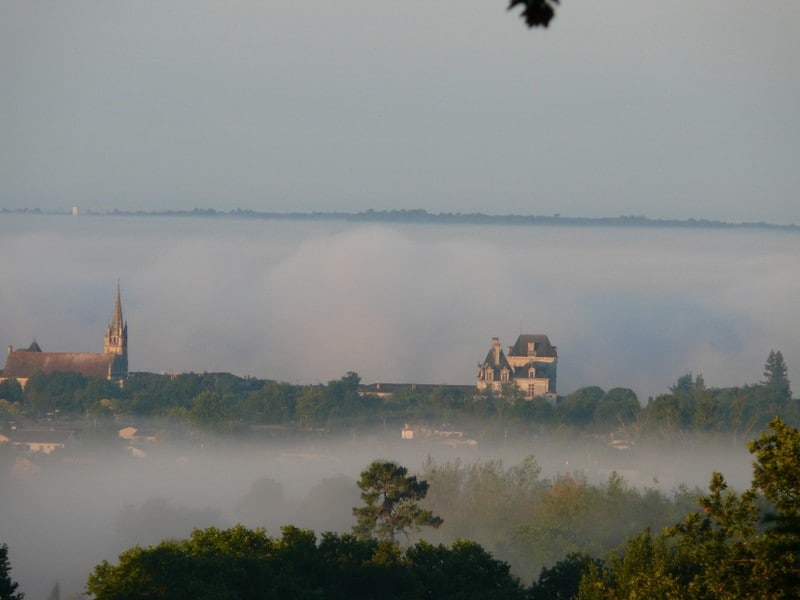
391 216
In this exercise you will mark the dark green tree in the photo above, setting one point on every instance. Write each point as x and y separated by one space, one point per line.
312 407
464 571
211 410
776 377
273 403
776 471
8 586
10 390
67 393
617 407
705 415
578 408
244 564
391 499
561 581
672 414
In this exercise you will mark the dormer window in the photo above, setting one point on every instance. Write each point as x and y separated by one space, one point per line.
531 373
504 375
489 375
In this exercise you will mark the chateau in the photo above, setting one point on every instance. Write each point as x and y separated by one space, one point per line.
530 364
112 363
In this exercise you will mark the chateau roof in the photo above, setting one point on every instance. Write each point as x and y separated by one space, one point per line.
25 363
541 345
503 362
34 347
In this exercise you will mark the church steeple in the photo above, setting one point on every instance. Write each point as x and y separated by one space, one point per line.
116 338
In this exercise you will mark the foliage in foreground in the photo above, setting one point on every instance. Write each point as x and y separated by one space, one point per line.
739 546
242 563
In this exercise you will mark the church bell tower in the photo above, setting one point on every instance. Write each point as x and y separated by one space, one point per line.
116 339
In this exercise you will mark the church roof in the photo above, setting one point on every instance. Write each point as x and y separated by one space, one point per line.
26 363
541 345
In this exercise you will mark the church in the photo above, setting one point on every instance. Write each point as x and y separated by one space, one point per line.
111 364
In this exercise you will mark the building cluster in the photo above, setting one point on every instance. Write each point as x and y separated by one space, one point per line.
529 366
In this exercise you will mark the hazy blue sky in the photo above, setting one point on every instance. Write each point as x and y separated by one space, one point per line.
667 109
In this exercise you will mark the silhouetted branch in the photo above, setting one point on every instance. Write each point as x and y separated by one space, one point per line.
536 12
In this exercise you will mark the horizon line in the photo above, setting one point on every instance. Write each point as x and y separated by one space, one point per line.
415 215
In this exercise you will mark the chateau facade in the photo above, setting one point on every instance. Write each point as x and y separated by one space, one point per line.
530 365
112 363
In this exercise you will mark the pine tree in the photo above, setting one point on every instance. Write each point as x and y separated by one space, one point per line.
776 377
7 585
390 498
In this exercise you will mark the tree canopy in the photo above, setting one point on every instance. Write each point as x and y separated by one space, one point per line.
243 564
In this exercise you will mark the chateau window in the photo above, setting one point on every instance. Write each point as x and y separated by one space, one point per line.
530 390
489 375
504 375
532 373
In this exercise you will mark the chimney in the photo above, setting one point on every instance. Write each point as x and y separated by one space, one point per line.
496 347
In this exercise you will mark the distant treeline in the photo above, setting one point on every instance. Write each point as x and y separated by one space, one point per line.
422 216
222 402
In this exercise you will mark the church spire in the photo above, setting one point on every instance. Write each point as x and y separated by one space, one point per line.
116 339
117 322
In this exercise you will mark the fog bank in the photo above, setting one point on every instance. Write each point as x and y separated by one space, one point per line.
308 301
62 516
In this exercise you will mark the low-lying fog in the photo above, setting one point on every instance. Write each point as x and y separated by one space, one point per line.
61 520
308 301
